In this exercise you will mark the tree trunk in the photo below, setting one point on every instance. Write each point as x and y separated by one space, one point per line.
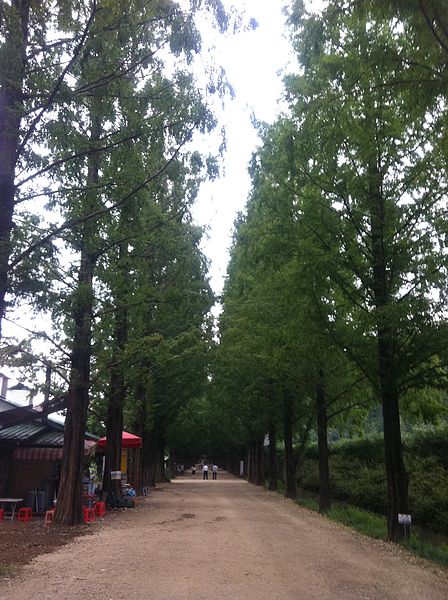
290 463
148 471
397 479
172 459
250 463
117 388
150 458
114 429
273 469
160 472
138 477
322 444
259 462
70 489
12 74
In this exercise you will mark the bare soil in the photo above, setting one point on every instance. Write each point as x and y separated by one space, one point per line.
207 540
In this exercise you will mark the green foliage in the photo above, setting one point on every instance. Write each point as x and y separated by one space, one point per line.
429 442
374 526
430 551
428 495
309 503
357 475
365 522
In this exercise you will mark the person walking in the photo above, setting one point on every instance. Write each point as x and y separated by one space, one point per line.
215 472
205 471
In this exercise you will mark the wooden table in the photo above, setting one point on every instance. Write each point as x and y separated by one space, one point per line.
12 504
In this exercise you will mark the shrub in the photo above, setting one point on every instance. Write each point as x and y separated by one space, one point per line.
357 475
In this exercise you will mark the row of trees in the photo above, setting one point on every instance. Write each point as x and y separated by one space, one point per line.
335 297
336 291
99 105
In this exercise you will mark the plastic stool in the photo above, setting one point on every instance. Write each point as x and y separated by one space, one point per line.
25 514
100 509
2 514
49 516
89 514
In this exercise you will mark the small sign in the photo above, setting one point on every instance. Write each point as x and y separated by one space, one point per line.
115 474
404 519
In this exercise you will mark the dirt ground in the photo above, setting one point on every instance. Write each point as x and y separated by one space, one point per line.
207 540
20 542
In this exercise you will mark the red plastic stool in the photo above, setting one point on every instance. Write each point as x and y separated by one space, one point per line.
49 516
89 514
2 514
100 509
25 514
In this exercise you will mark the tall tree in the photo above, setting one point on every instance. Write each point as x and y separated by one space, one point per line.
33 54
389 271
166 112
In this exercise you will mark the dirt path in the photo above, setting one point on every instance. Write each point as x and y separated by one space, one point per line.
224 540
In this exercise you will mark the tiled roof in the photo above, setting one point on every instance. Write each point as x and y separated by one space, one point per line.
23 432
40 432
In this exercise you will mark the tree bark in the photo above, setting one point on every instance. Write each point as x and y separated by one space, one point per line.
251 463
69 502
117 388
290 463
259 462
12 75
397 478
69 505
114 429
273 468
138 476
150 458
322 444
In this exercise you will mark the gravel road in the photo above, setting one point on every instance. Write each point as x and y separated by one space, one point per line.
224 540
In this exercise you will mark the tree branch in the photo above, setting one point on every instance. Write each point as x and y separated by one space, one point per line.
56 88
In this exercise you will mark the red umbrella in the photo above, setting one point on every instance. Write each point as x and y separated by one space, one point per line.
128 440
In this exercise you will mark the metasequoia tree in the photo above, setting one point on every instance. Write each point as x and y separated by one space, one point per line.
152 329
369 153
323 371
95 126
167 341
41 46
36 39
272 302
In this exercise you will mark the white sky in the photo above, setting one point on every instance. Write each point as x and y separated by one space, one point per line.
251 60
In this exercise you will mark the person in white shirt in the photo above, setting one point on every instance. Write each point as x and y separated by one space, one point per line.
205 472
215 472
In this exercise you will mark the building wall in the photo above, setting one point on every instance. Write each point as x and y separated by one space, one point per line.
30 474
5 471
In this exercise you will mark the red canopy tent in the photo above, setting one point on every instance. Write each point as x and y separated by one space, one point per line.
128 440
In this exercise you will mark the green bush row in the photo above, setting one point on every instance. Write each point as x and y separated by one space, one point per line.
358 477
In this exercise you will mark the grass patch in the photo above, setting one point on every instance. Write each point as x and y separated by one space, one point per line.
436 552
374 526
361 520
309 503
281 488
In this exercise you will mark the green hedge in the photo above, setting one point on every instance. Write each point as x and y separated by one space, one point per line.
358 477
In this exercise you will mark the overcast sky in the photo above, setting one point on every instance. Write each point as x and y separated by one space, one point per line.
252 61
